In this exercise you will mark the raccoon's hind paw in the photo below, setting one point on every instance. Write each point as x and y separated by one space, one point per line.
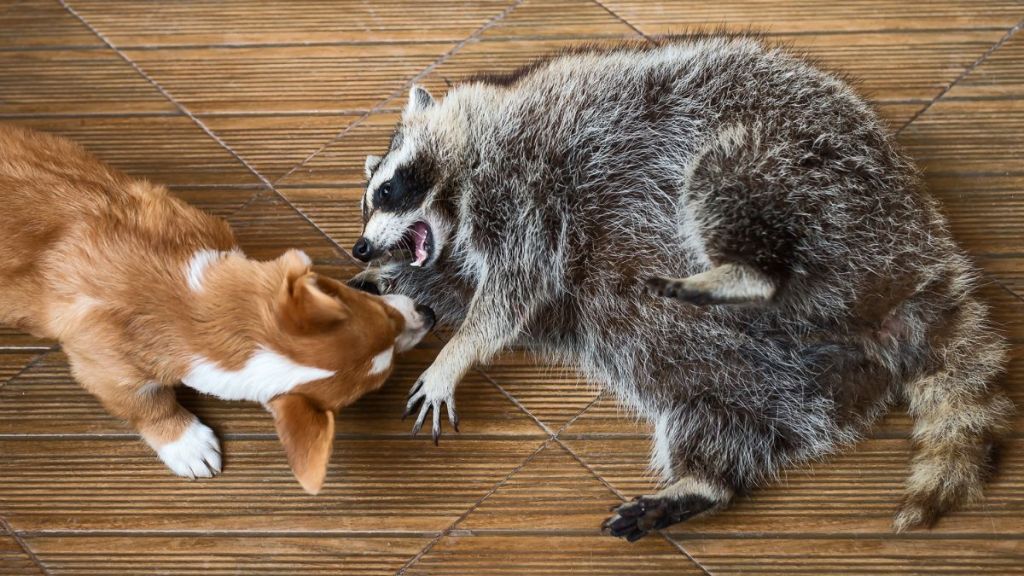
725 284
634 520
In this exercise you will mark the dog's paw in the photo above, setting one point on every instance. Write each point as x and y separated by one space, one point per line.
430 393
195 454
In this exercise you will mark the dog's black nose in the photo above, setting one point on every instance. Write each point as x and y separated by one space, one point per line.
362 250
427 314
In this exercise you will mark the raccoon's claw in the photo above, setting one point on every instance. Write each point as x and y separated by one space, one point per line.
418 397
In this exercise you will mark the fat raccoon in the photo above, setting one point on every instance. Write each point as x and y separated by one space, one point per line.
725 236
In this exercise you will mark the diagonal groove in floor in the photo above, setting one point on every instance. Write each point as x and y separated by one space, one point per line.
6 527
966 72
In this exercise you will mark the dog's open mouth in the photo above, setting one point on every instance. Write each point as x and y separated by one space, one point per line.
419 240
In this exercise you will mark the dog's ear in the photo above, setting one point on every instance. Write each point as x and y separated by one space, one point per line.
419 100
307 434
307 300
371 164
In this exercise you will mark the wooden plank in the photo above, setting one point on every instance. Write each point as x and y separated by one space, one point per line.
871 556
804 16
854 493
1001 75
553 492
13 362
463 555
397 485
145 555
220 201
166 149
240 23
45 400
34 82
576 19
291 79
42 24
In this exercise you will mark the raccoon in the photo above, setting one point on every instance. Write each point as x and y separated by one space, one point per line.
721 234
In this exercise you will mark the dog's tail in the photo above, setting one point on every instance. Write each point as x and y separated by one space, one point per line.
959 414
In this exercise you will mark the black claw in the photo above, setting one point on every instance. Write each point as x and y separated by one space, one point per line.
410 409
455 423
635 535
437 435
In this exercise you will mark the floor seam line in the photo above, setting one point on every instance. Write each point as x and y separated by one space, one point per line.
964 74
6 525
209 132
395 94
624 21
430 545
166 94
31 364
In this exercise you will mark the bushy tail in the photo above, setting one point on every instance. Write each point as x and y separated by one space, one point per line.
959 414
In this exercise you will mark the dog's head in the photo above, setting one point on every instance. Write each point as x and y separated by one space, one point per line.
348 340
401 215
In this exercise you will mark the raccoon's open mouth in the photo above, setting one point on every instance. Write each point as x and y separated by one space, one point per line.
419 240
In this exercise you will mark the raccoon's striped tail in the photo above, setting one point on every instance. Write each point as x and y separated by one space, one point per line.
959 414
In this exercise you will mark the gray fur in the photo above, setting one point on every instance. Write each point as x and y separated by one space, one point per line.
556 194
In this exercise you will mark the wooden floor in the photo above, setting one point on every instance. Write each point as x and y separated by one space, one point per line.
263 113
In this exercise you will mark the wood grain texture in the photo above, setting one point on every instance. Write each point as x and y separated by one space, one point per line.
11 338
396 485
34 82
552 394
146 555
239 22
807 16
553 492
42 24
870 556
14 561
267 227
465 555
169 149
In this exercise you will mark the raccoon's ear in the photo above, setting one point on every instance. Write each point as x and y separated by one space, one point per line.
370 165
419 100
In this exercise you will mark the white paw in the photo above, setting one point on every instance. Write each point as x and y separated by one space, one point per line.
196 454
433 392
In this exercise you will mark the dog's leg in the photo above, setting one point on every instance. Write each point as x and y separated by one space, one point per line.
725 284
187 446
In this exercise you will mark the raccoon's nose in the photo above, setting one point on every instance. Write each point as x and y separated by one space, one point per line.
363 250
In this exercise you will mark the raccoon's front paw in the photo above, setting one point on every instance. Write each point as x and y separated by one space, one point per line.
195 454
432 392
369 280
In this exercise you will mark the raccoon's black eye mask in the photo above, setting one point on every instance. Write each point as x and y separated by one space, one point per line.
402 193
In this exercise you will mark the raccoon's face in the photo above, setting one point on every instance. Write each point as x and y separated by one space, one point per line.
398 218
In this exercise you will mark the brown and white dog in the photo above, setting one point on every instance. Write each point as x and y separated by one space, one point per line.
144 291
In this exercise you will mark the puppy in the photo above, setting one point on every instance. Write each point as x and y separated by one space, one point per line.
144 292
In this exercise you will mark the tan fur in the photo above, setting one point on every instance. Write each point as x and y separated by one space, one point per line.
98 261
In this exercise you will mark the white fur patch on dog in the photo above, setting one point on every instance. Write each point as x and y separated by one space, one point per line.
197 266
195 454
265 375
382 361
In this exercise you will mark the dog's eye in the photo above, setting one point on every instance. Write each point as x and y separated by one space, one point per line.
385 190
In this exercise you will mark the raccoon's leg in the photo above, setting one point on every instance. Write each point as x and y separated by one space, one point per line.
737 213
725 284
688 497
498 310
